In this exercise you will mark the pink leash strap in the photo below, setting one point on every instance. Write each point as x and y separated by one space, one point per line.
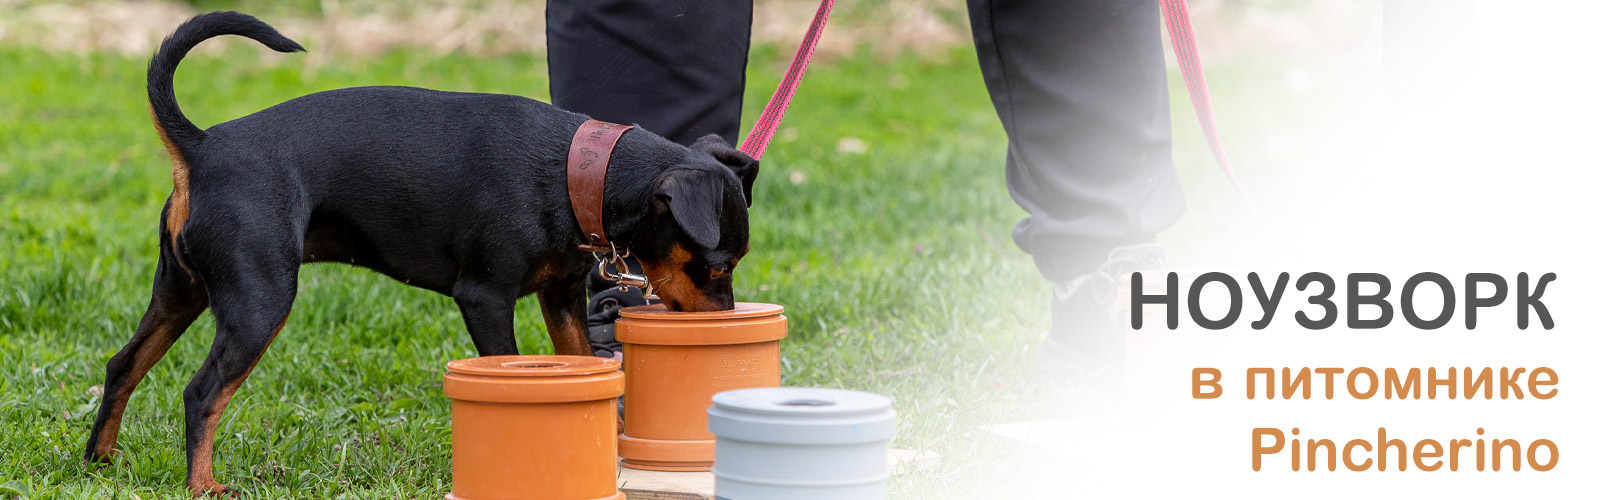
1179 27
1194 77
756 142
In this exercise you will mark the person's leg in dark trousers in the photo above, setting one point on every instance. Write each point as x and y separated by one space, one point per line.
673 67
1081 88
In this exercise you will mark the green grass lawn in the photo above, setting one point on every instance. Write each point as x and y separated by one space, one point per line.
896 267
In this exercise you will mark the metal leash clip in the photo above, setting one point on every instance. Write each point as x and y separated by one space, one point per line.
624 276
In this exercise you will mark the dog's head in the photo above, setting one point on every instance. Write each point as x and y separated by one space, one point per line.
699 227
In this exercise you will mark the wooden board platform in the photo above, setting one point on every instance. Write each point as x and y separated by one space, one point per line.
655 485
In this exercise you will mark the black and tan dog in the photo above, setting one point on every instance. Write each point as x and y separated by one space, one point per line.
462 194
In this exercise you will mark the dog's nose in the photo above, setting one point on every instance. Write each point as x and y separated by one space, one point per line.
702 304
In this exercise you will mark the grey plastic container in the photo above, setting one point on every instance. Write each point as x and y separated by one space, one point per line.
791 443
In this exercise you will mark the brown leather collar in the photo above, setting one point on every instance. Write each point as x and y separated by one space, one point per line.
586 179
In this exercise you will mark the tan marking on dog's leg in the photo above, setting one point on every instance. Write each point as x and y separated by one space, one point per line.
569 335
202 477
564 319
202 474
150 351
175 303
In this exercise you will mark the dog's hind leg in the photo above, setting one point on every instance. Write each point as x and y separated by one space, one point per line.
252 287
176 300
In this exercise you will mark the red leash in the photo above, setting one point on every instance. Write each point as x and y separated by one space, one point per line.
1183 44
1194 77
756 142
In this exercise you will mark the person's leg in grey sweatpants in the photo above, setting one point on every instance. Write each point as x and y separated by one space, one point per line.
1081 88
674 67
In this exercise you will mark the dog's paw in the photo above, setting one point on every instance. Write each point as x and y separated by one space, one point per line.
215 490
103 458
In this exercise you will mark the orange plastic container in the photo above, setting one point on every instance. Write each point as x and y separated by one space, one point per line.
675 362
534 427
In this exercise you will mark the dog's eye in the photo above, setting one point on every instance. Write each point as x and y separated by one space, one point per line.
719 272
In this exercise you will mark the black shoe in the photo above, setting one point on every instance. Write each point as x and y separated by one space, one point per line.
604 309
1086 337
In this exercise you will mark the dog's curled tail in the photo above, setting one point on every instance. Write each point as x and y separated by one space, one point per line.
179 133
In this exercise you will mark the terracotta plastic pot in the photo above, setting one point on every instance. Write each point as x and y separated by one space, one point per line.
792 443
534 427
675 362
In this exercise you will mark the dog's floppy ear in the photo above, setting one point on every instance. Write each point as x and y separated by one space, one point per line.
742 164
695 199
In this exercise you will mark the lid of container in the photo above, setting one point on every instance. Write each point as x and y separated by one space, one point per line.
533 366
740 310
746 323
786 401
803 416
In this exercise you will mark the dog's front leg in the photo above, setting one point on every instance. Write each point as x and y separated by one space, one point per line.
563 307
488 311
